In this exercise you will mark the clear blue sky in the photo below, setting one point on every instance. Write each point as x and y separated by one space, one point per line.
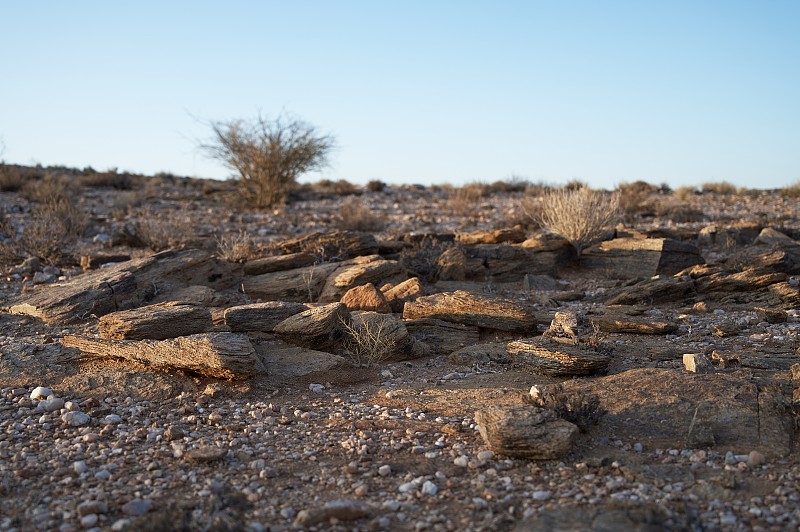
681 92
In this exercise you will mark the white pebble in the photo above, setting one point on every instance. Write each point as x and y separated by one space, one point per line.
40 392
112 419
461 461
385 470
485 455
429 488
541 495
89 521
316 388
75 419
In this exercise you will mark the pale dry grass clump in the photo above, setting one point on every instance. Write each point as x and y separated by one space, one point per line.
163 229
465 200
355 216
53 229
235 247
369 341
723 188
790 191
579 215
11 179
636 198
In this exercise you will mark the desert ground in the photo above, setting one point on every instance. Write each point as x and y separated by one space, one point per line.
362 358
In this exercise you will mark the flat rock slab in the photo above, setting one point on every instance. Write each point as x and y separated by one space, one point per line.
558 359
316 328
261 317
443 337
279 263
122 286
333 246
155 322
656 407
286 360
469 309
222 355
620 323
636 517
397 295
630 258
525 432
649 291
300 285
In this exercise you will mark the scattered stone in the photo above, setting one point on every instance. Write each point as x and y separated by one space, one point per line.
137 507
525 432
75 419
399 294
756 459
40 392
205 454
468 309
342 510
279 263
155 322
366 297
92 507
698 363
261 317
772 315
548 357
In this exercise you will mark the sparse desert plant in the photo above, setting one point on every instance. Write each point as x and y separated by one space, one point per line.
49 188
790 191
723 188
465 200
268 154
577 407
355 216
11 179
53 229
635 198
235 247
579 215
376 185
368 341
162 229
110 179
341 187
513 184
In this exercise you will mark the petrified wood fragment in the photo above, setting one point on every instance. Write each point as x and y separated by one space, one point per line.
525 432
222 355
548 357
469 309
155 322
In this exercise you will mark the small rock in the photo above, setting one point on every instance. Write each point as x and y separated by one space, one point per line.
316 388
51 405
698 363
385 470
92 507
429 488
40 392
120 524
541 495
756 459
137 507
42 278
75 419
112 419
485 455
205 455
173 433
343 510
89 520
461 461
80 468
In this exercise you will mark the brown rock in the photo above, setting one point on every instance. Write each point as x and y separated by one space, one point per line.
333 246
398 295
618 323
316 328
279 263
301 285
205 454
649 291
359 271
771 315
697 363
340 510
525 432
155 322
221 355
498 236
548 357
366 297
469 309
479 354
261 316
452 265
443 337
631 258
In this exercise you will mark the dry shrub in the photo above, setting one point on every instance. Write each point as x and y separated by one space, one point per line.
50 188
513 184
376 185
355 216
577 407
791 191
636 198
163 229
579 215
524 213
235 248
53 229
685 193
124 202
369 341
11 179
464 200
341 187
723 188
106 180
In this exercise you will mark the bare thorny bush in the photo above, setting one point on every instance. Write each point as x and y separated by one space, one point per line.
367 341
268 155
53 229
163 229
